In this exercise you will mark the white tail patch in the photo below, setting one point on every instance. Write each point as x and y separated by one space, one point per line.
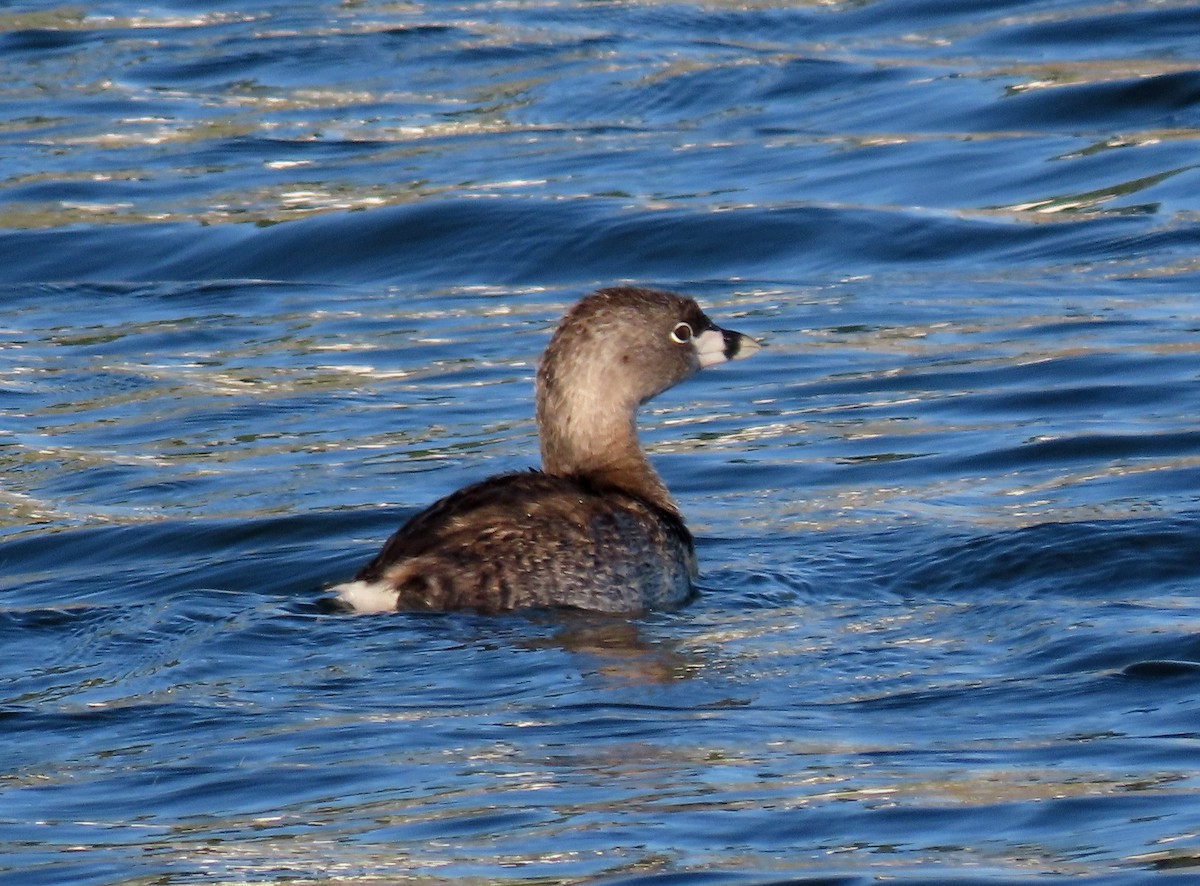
366 596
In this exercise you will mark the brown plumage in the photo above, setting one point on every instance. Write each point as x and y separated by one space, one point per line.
596 528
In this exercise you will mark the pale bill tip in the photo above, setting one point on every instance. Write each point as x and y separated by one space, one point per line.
743 346
717 345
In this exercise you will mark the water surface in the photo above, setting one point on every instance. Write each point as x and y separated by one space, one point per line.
277 275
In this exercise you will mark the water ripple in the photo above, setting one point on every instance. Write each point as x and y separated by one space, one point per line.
276 276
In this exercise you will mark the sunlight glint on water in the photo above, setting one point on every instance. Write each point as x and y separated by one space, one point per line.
277 275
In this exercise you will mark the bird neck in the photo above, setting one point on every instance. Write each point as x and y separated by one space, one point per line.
598 444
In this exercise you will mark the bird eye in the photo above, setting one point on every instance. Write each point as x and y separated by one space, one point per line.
681 334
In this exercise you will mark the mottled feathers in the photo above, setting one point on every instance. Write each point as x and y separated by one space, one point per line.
529 539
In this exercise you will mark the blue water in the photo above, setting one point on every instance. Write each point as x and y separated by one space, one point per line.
276 275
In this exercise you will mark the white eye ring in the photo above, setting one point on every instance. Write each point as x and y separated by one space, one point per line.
681 334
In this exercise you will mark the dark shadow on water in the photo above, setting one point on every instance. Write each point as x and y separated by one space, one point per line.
1163 669
1096 558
